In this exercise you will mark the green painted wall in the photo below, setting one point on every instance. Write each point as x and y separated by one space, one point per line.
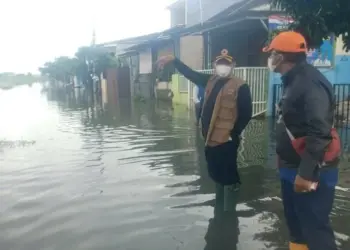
179 97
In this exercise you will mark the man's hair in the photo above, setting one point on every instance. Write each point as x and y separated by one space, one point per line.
295 57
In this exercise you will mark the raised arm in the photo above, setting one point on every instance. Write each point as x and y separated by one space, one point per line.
244 108
197 78
192 75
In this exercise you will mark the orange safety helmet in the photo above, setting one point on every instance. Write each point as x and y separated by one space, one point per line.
287 41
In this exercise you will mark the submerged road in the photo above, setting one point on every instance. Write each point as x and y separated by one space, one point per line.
73 176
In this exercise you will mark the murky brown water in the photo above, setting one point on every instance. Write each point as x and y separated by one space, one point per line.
132 177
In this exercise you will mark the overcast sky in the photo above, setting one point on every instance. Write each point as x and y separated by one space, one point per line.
35 31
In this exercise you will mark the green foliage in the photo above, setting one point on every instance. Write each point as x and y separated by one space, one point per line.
317 19
9 80
274 33
87 61
61 69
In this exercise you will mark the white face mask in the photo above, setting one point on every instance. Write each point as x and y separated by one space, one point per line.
274 61
223 70
270 64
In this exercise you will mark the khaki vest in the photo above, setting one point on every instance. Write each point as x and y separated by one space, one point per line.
225 111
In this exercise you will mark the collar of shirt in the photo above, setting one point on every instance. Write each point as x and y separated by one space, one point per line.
289 76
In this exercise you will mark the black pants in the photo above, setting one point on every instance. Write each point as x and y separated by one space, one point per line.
307 216
222 162
223 231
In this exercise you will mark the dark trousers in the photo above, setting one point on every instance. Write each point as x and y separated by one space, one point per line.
222 162
307 216
198 110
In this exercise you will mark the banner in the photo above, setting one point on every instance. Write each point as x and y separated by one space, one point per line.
277 22
321 57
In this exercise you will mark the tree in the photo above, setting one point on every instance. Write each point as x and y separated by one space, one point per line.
88 61
104 61
61 69
317 19
93 61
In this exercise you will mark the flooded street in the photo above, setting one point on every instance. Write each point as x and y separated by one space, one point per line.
74 177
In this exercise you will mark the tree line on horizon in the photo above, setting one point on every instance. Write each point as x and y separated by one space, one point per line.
10 79
87 62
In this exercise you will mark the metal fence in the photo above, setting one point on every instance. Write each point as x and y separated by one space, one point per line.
255 77
342 102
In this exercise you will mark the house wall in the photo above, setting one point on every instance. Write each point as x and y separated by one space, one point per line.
163 85
110 87
191 12
104 92
143 79
202 10
134 65
165 49
244 44
191 51
143 86
338 74
192 54
123 82
145 61
178 15
178 97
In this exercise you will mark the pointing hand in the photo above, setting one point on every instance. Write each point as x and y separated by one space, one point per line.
162 61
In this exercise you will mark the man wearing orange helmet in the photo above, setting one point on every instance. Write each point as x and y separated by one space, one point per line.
307 146
227 109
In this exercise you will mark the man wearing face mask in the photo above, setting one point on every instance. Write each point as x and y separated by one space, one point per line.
308 148
227 109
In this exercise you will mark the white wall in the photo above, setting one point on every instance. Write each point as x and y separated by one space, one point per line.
191 51
146 62
339 47
202 10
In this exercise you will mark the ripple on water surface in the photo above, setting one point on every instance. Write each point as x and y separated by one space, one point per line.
93 180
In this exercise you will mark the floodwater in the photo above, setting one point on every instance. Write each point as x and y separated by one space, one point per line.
75 177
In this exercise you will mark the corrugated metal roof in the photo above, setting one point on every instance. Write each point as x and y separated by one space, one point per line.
143 39
123 48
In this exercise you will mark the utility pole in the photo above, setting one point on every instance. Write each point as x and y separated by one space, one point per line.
93 40
201 12
186 10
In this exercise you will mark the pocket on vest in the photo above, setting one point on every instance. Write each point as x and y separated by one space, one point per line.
226 124
227 103
220 135
225 113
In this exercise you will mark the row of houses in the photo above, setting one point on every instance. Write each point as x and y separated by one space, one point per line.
199 30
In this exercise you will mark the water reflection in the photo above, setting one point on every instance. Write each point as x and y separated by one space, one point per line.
135 170
223 229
